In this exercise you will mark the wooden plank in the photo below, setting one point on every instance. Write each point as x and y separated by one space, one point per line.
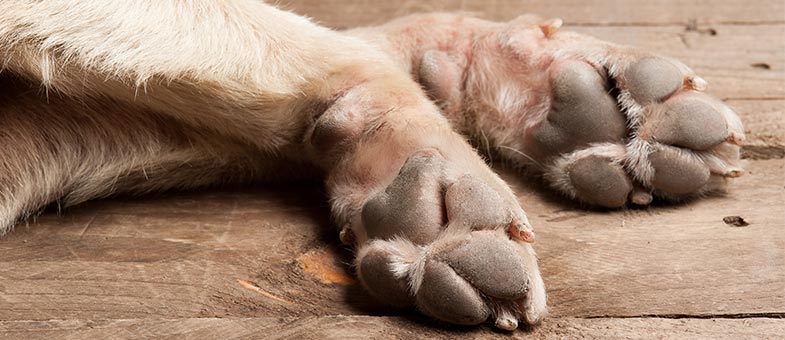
191 255
666 259
241 263
739 61
351 13
244 254
764 124
366 327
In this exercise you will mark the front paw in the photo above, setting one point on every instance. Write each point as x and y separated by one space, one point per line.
444 240
675 142
607 125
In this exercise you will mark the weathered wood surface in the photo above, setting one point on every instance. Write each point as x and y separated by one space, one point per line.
664 260
350 13
272 253
370 327
266 263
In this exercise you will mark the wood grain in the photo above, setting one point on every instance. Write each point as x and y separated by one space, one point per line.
764 124
181 256
730 59
239 263
188 255
667 259
350 13
367 327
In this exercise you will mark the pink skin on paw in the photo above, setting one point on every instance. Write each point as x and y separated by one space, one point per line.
506 94
499 82
534 119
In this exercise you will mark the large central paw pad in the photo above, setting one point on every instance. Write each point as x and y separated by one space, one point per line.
642 128
440 240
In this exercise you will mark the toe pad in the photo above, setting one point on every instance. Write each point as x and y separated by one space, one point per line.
690 120
652 79
499 273
598 181
374 269
446 296
473 204
412 205
677 173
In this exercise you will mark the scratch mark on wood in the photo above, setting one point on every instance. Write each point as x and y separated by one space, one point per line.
229 225
87 225
565 218
178 240
72 252
252 286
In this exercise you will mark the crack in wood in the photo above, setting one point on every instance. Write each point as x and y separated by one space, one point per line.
758 152
754 98
666 24
764 315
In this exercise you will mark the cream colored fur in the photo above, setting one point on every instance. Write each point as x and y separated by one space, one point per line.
187 94
108 97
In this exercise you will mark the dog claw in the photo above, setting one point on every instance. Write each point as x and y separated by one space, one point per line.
733 173
521 233
641 197
696 83
735 138
506 322
551 26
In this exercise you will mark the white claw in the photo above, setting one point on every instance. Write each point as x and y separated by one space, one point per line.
506 322
550 26
696 83
521 232
733 173
735 138
641 197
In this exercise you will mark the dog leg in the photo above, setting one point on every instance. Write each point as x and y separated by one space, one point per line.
434 227
607 125
244 71
69 151
251 88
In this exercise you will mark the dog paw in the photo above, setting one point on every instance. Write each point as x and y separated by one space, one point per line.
446 241
659 135
608 125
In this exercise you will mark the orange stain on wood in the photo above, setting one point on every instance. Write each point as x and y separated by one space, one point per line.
321 264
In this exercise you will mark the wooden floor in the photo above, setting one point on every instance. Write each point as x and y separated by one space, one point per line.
266 263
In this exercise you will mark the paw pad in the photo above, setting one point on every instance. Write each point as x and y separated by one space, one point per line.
690 121
650 80
599 181
412 205
441 242
659 136
458 279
